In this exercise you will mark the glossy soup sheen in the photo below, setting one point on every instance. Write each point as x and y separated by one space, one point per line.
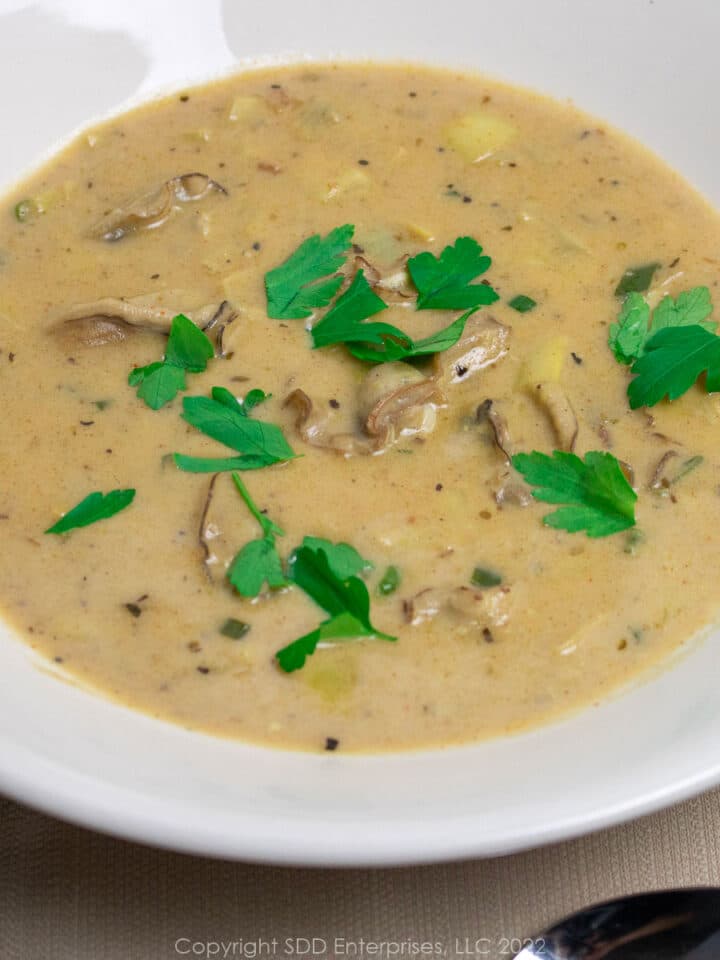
128 606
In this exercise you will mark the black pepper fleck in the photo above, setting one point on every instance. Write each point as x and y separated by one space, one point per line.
675 262
488 635
86 423
58 659
578 360
184 98
461 370
154 276
357 248
256 245
412 93
335 404
203 669
331 743
364 163
467 199
438 487
11 357
133 609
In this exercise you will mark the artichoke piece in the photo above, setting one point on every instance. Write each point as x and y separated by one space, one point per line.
477 136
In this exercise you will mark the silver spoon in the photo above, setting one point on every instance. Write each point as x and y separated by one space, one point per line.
670 925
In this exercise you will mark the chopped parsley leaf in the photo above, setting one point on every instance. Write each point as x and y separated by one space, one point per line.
234 629
596 495
484 577
445 282
345 599
390 582
522 304
636 279
377 342
95 506
258 562
188 350
303 282
634 328
674 358
227 420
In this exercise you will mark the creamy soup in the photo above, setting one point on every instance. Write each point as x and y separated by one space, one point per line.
500 621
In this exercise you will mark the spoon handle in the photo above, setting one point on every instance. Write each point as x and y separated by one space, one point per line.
669 925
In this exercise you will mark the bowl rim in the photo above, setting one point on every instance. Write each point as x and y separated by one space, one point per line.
83 796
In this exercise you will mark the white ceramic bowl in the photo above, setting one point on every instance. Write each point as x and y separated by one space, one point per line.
646 66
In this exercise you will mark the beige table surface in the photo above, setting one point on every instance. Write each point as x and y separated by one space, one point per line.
70 894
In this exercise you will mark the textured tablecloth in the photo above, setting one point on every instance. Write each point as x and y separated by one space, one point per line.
70 894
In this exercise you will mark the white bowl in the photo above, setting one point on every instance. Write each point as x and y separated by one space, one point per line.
646 66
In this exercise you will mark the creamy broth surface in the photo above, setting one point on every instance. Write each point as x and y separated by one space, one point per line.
128 606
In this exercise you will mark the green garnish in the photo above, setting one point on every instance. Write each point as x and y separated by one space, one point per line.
227 420
343 559
597 496
346 599
484 577
234 629
24 210
302 283
258 562
95 506
636 279
522 304
628 337
377 342
188 350
673 360
390 582
445 282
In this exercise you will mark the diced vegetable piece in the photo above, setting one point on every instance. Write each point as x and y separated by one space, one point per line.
350 180
485 577
545 365
636 279
333 678
234 629
477 136
390 582
522 304
245 108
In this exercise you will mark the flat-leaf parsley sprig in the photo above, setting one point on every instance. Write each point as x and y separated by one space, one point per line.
303 282
94 507
328 573
258 562
669 348
188 351
227 420
446 282
595 493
